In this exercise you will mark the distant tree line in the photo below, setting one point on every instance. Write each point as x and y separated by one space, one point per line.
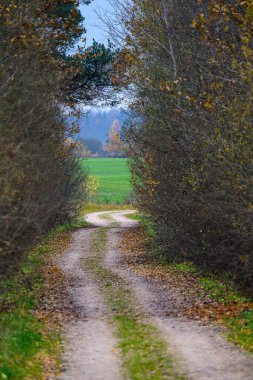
41 182
113 147
190 65
96 122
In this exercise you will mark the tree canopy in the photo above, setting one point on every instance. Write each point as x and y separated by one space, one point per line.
189 65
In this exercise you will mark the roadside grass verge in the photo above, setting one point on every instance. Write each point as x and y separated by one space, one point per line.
145 354
216 296
241 329
240 320
135 216
220 288
30 339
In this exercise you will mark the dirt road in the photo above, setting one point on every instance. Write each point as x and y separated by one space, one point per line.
91 351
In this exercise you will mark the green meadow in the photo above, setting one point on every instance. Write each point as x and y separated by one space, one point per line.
113 178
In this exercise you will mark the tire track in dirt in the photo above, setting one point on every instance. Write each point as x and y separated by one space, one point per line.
202 352
201 349
90 347
111 218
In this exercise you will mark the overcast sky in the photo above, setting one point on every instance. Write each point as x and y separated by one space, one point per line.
92 21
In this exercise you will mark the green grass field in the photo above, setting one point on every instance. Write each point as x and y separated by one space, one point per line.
114 179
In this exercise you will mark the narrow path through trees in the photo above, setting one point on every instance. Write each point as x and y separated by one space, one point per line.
112 300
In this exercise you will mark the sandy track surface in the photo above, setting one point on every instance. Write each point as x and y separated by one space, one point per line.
91 350
202 351
111 218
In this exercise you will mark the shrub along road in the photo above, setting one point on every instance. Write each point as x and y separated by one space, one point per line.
125 326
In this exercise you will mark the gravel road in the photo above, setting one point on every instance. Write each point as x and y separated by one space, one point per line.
91 351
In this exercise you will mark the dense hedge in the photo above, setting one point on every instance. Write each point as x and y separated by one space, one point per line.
190 66
41 183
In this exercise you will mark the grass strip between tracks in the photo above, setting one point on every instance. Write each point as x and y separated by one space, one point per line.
145 355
